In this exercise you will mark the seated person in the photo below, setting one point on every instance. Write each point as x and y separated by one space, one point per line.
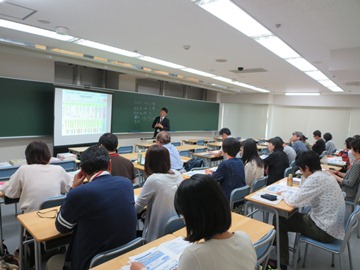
101 213
329 144
230 173
38 180
254 165
158 192
207 216
319 145
349 181
276 162
296 143
163 138
223 133
120 166
322 194
344 153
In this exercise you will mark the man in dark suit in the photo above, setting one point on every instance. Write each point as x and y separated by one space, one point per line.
161 122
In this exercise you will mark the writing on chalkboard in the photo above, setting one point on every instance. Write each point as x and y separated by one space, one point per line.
143 111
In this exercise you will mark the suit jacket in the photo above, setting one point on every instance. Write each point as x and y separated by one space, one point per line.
165 122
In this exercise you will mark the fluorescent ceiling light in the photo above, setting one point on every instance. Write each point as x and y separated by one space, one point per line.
251 87
228 12
328 83
301 63
336 89
106 48
198 72
223 79
302 94
317 75
160 62
33 30
277 46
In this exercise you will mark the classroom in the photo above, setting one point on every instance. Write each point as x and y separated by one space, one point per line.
178 53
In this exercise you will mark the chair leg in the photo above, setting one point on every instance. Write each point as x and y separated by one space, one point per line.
332 259
350 257
340 261
358 230
305 253
296 251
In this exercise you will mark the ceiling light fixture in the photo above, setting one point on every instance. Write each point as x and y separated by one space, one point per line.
231 14
302 94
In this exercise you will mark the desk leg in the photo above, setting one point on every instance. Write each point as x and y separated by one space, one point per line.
1 233
276 215
21 248
37 255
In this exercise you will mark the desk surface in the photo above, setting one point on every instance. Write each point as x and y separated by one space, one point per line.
208 156
123 260
190 147
214 144
42 229
282 206
78 150
254 228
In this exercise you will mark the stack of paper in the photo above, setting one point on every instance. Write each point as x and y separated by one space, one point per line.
164 257
17 162
66 156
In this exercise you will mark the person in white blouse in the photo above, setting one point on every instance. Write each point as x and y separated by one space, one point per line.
157 194
320 191
207 216
38 180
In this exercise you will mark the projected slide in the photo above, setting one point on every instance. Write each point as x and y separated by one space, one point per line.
83 113
81 116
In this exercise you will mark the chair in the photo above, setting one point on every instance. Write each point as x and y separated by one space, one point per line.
338 246
184 153
353 204
237 196
290 170
125 149
7 172
68 165
113 253
176 143
200 150
200 142
263 248
58 242
173 224
258 184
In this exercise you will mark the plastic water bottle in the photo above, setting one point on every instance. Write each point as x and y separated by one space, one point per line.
139 158
290 180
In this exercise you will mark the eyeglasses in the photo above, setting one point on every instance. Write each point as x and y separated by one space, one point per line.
47 213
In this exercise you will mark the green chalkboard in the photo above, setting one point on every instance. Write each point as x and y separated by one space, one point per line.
133 112
26 108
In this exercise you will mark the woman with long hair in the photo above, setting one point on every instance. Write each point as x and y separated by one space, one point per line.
254 165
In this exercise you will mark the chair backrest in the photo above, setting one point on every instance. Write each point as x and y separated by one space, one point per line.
263 246
68 165
200 142
173 224
184 153
176 143
125 149
7 172
323 154
289 170
200 150
53 201
350 225
238 195
110 254
258 184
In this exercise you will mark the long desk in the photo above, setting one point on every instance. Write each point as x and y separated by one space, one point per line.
41 229
190 147
281 209
209 159
256 230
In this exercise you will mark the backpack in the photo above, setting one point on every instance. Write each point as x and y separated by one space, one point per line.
193 163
